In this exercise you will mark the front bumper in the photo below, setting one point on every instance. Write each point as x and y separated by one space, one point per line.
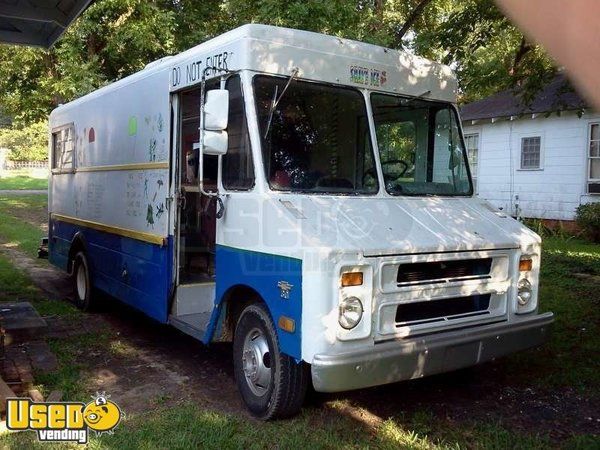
427 355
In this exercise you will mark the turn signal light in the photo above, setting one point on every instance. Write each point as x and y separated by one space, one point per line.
352 279
525 265
287 324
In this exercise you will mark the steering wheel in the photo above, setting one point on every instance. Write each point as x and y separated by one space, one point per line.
371 171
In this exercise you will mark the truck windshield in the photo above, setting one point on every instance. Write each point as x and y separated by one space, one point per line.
420 147
316 139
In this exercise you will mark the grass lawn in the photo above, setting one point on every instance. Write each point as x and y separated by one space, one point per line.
569 287
188 426
22 219
17 286
24 179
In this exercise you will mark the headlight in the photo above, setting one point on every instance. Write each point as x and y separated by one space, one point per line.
524 294
351 311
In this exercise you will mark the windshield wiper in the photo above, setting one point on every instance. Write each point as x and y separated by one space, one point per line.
276 99
406 101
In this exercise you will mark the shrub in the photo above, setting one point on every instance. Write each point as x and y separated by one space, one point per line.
26 142
544 230
588 218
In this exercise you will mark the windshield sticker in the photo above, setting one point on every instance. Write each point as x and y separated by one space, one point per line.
367 77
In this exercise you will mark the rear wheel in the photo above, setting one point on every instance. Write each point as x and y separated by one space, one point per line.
82 285
272 384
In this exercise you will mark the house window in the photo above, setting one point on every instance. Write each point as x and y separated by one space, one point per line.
472 144
62 148
594 159
530 152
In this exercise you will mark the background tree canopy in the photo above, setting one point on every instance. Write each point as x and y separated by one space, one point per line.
115 38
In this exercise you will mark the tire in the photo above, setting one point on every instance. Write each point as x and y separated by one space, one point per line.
82 283
272 386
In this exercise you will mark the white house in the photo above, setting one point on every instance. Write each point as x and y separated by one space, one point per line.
539 160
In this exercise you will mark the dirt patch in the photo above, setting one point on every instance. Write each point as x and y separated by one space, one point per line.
53 282
148 364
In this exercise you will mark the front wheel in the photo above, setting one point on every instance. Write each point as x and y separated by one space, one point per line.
272 385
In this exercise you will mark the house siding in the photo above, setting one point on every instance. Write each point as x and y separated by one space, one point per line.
556 189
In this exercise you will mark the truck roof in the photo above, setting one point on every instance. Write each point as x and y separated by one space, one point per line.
319 57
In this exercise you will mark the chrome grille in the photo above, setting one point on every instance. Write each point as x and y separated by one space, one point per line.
443 271
442 310
426 293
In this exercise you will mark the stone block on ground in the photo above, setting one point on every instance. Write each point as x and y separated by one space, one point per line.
20 322
55 396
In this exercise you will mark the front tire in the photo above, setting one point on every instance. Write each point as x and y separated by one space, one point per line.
272 384
82 283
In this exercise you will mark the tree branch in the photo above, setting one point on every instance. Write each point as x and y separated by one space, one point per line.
523 49
410 21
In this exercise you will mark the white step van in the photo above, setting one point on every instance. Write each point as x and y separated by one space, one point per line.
304 196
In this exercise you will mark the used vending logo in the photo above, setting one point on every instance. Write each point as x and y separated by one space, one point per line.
63 421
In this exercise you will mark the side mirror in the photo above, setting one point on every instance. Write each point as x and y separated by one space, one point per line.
216 110
216 118
215 143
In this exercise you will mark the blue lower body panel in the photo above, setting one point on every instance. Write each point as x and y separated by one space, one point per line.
262 272
135 272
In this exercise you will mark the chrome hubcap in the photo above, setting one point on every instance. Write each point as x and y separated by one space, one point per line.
81 284
256 362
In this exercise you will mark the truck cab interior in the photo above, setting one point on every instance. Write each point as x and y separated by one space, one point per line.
197 212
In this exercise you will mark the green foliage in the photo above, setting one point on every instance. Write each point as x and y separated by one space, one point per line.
114 38
588 218
26 142
544 231
485 49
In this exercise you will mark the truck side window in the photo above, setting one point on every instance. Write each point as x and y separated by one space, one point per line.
238 169
62 148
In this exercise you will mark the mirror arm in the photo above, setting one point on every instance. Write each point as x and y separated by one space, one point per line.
223 81
201 140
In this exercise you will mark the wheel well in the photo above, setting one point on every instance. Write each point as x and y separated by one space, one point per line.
77 246
234 301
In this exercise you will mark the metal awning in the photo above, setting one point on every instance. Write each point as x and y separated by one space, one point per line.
37 22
